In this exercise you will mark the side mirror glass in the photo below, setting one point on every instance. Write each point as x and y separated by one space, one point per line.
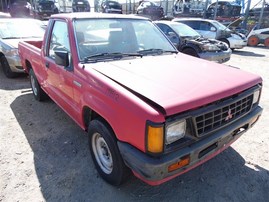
62 58
213 29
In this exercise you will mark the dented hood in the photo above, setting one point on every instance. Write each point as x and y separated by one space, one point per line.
177 82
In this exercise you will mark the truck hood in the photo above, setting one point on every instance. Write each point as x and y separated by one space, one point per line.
177 82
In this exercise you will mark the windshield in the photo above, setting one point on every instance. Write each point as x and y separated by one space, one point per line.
184 30
220 26
21 28
125 36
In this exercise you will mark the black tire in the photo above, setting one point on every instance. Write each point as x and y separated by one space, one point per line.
38 92
6 68
190 51
105 153
225 41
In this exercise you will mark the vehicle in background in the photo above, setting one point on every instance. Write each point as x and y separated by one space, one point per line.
14 30
256 11
188 8
150 9
146 107
19 8
111 7
258 35
227 11
190 42
43 9
81 6
213 29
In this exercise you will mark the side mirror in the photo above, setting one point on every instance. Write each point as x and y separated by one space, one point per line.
213 29
62 58
171 34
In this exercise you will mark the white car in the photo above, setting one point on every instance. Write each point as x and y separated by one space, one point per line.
215 30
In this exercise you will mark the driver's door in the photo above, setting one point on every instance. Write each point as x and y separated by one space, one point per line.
59 78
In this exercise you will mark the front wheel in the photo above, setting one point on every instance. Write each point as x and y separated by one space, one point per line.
6 68
253 41
38 92
190 51
105 153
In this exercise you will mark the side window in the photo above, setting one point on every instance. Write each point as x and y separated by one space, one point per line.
193 24
205 26
59 38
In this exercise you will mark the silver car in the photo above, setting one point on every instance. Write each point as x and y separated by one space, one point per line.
12 31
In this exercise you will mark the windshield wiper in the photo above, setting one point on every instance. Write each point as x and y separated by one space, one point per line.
155 51
111 56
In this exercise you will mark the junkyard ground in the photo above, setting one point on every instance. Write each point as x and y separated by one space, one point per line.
44 155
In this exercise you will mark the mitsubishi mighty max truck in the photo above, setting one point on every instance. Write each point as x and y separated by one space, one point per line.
146 107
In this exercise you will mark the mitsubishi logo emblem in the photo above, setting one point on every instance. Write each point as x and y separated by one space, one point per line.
229 115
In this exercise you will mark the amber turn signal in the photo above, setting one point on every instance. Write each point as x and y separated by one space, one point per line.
155 139
183 162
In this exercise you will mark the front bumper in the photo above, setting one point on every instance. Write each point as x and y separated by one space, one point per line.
219 57
154 171
237 43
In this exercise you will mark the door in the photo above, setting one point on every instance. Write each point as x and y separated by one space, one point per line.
207 30
59 78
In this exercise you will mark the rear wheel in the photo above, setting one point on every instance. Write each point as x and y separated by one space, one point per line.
105 153
253 40
266 42
190 51
38 92
6 68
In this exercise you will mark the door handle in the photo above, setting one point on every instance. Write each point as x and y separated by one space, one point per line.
47 64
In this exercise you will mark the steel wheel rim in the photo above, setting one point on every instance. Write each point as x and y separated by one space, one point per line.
33 84
102 153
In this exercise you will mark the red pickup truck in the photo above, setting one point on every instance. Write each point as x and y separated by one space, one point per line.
147 108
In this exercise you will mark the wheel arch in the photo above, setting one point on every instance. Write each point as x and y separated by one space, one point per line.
88 115
28 66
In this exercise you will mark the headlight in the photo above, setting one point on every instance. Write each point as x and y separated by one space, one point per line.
256 96
210 47
175 131
12 52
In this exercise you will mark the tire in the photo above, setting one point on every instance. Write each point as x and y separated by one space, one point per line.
105 153
227 42
266 42
6 68
190 51
38 92
253 41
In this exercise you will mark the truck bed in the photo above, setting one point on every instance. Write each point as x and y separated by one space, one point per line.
29 50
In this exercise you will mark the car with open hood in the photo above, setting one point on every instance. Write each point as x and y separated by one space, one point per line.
190 42
215 30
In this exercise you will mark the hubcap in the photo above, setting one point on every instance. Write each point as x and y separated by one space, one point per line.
102 153
33 84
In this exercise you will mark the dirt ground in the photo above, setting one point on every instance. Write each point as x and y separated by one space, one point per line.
44 155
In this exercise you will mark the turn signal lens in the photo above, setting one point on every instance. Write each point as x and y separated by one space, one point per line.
183 162
155 139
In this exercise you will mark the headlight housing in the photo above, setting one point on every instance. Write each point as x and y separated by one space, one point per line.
256 96
12 52
158 135
210 47
175 131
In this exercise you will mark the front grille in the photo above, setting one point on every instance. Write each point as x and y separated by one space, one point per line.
221 116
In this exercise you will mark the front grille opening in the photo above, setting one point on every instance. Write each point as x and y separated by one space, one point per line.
207 150
221 116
